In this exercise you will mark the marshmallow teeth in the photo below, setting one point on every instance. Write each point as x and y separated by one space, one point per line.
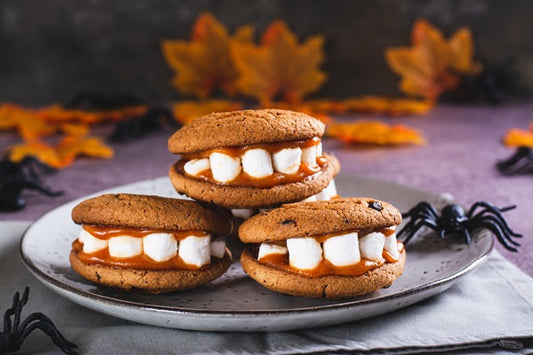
196 166
195 250
268 249
309 156
287 161
328 193
218 248
257 163
91 244
391 246
371 246
160 246
304 253
342 250
125 247
224 167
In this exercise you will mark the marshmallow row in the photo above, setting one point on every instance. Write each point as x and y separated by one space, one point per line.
325 195
257 163
341 250
159 247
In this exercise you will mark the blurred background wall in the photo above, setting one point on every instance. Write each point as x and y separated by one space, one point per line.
51 49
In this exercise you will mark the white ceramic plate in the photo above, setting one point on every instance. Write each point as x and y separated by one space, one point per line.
235 302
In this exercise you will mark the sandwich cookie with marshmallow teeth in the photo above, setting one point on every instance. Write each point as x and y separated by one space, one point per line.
150 243
251 159
341 248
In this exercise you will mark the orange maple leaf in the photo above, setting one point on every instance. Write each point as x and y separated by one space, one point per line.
58 114
387 106
279 67
187 111
204 64
433 64
374 133
38 149
519 138
27 122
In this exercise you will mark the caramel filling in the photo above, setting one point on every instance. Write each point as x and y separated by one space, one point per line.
141 261
281 261
244 179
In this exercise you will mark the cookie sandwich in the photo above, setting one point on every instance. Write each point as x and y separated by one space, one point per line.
341 248
150 243
251 159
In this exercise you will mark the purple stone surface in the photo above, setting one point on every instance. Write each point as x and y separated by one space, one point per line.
464 143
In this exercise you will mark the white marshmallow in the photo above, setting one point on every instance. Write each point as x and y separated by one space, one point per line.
342 250
391 246
243 213
218 248
371 246
125 246
328 193
287 161
304 253
91 244
195 250
195 166
224 167
268 249
310 199
160 246
319 149
309 156
257 163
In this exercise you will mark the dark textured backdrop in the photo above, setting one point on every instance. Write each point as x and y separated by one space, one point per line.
50 49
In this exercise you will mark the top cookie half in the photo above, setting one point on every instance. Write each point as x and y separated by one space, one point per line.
241 128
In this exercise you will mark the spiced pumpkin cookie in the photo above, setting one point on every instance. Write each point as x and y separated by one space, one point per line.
150 243
334 249
251 159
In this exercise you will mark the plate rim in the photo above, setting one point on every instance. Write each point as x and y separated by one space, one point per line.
348 304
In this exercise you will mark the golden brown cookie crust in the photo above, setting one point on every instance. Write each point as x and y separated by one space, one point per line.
152 212
298 220
252 197
240 128
330 286
149 281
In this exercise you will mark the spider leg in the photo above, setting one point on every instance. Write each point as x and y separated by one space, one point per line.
9 312
421 207
413 221
495 213
500 235
18 308
505 232
420 224
488 207
46 325
466 234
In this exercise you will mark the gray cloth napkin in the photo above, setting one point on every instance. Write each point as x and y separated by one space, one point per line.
490 311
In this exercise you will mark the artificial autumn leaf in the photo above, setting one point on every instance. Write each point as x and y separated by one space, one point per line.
519 138
433 64
26 121
78 129
374 133
58 114
70 147
38 149
387 106
279 67
204 64
187 111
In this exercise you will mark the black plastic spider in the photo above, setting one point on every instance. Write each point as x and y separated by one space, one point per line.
94 100
453 220
521 162
13 335
15 177
135 127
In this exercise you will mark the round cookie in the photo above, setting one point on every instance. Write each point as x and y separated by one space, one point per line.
149 281
240 128
231 196
155 217
329 286
147 211
321 220
298 220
